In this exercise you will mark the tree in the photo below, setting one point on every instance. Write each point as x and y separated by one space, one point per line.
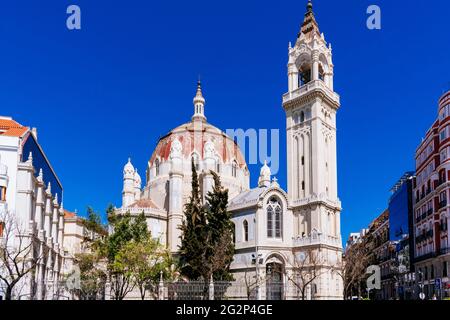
146 261
92 276
17 257
195 238
305 269
357 258
126 231
207 246
93 223
251 283
221 230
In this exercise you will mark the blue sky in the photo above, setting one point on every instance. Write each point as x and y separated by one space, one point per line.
108 91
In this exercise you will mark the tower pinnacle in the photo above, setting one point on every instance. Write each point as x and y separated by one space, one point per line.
309 26
199 104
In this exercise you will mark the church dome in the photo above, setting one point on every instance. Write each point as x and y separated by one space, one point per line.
199 139
193 138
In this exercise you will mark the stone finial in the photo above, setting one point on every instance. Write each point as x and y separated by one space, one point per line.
30 158
40 177
275 182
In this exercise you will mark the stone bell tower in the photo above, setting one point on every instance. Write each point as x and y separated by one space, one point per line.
311 105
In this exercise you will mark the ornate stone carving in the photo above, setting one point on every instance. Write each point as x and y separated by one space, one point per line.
176 149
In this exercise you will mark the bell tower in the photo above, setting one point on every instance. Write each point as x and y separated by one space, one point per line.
310 106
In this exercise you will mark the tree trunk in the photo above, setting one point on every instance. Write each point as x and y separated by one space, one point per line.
8 294
142 291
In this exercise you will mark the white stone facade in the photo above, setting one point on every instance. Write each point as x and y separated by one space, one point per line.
273 228
29 197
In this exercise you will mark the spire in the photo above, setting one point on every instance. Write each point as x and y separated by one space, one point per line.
309 26
199 103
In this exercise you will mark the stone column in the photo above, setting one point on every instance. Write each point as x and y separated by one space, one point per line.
48 212
175 216
40 203
55 219
315 65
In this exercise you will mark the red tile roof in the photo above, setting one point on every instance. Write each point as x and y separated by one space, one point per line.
11 128
68 214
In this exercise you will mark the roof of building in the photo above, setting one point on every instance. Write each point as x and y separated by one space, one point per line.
309 26
144 203
194 139
11 128
248 197
68 214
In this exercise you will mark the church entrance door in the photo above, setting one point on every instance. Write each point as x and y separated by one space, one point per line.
274 282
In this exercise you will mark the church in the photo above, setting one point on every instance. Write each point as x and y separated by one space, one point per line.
282 237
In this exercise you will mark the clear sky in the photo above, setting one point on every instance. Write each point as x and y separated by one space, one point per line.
108 91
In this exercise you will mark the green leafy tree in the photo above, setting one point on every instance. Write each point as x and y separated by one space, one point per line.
92 276
146 261
93 223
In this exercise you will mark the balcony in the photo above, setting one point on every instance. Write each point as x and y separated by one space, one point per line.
425 256
430 212
317 239
315 85
424 236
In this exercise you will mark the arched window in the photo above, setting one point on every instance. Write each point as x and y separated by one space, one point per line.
302 117
274 219
304 75
245 225
321 73
234 169
196 160
234 232
157 167
217 160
